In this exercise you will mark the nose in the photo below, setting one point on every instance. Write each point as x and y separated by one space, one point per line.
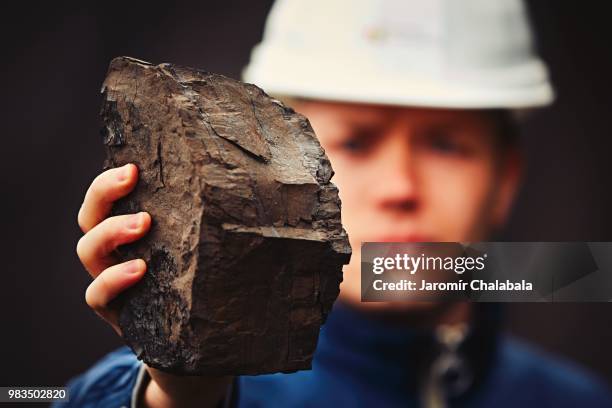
397 185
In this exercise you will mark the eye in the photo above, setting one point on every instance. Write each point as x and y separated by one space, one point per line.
445 145
447 142
359 140
353 145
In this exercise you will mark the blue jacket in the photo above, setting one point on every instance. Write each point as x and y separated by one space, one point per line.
360 362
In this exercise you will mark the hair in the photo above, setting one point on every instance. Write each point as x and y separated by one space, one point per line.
506 128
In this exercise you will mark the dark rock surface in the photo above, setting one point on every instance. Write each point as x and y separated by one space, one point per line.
246 249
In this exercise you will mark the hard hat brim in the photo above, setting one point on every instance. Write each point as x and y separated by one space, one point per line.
522 87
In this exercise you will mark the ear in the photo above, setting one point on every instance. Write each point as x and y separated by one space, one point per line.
510 175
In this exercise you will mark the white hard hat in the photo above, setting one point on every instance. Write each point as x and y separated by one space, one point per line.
436 53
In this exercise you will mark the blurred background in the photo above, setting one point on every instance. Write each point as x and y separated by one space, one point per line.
54 60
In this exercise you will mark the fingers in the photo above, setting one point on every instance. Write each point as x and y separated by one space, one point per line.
95 249
102 236
107 188
109 284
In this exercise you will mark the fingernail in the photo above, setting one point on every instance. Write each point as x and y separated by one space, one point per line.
135 221
132 266
124 173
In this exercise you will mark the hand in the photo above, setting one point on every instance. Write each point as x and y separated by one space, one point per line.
96 250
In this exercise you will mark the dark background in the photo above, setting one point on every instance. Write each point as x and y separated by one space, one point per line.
54 60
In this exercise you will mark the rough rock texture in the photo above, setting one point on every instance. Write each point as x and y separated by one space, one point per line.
246 250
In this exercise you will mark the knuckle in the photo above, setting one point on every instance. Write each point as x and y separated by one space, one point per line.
81 219
99 180
105 234
91 298
80 248
100 185
94 187
97 294
103 288
110 234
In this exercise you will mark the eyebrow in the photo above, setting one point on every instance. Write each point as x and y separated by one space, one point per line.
438 127
367 125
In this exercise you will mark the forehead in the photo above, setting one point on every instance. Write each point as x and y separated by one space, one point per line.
372 115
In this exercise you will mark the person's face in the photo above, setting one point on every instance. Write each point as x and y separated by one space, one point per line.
412 174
